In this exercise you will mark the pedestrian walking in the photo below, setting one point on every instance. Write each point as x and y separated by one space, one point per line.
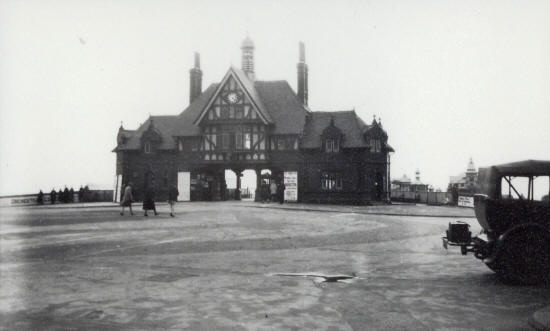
127 199
273 190
172 198
149 200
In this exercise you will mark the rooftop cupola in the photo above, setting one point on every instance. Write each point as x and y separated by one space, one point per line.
471 167
247 57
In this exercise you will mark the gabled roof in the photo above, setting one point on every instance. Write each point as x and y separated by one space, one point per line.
402 180
184 122
346 121
163 125
460 178
247 86
280 101
277 104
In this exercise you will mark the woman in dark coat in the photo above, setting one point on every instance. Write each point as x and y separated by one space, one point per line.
149 200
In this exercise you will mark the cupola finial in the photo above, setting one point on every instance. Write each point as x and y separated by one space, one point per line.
247 57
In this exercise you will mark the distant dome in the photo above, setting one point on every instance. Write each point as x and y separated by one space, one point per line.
247 43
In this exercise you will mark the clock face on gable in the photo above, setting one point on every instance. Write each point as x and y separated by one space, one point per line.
232 97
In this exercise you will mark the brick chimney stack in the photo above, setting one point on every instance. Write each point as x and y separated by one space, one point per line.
195 79
302 75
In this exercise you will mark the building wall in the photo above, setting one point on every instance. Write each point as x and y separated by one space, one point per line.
362 172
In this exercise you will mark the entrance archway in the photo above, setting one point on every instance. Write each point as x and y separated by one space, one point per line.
243 189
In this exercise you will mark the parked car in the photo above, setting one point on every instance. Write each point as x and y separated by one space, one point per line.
512 207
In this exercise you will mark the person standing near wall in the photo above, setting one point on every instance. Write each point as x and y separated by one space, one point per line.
172 198
264 191
127 199
281 191
52 196
273 190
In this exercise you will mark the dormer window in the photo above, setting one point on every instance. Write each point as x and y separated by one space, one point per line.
375 145
147 147
332 145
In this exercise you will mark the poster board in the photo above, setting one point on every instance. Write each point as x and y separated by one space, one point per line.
117 194
291 186
466 201
184 186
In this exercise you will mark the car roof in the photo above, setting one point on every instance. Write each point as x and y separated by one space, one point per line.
527 167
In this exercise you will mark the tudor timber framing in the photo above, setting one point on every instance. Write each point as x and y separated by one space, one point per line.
231 73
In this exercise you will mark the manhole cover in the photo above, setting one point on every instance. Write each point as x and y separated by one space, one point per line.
321 277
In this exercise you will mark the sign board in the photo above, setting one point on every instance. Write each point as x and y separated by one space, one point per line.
291 186
466 201
118 188
184 186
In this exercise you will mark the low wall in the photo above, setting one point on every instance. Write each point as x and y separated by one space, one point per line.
430 198
31 199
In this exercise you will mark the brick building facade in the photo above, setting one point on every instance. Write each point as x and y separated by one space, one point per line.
243 123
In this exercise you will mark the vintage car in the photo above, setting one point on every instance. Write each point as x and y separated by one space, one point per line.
513 208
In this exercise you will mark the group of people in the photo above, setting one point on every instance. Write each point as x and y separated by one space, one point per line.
65 196
148 199
273 191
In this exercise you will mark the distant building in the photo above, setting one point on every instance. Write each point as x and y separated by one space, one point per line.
404 184
417 185
465 180
406 190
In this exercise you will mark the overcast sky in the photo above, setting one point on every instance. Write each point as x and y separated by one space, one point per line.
450 79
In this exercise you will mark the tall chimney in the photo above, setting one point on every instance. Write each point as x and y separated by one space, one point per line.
302 75
247 57
195 79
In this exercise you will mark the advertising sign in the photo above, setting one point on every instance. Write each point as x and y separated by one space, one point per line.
466 201
291 186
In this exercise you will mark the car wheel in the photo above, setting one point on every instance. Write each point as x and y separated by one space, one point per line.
525 258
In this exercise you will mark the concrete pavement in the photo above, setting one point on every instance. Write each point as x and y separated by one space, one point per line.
220 265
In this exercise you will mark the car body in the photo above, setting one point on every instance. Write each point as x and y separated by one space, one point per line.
512 206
